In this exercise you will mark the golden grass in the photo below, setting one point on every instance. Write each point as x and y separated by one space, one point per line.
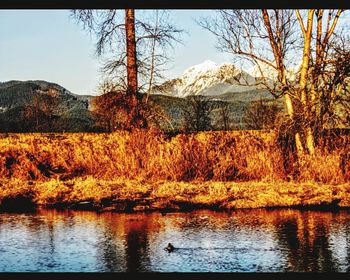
216 156
235 169
177 195
204 156
326 167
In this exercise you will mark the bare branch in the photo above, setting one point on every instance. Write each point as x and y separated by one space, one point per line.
301 23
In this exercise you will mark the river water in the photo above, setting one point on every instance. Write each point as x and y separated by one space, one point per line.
205 241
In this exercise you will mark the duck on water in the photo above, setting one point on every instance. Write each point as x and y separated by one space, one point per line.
170 248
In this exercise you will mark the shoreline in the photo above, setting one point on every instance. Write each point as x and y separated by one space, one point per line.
126 195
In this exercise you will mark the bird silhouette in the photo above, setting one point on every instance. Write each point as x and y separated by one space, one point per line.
170 248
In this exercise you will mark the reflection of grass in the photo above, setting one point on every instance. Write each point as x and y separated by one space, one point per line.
143 170
125 194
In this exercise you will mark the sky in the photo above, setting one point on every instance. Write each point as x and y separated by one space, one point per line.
49 45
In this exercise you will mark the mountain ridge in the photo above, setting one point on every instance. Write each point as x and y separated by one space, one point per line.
24 105
37 105
209 79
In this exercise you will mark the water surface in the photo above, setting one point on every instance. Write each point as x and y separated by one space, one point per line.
206 241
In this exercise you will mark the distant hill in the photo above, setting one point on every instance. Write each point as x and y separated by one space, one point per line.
30 106
40 106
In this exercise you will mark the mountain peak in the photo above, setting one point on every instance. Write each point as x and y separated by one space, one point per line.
200 68
207 78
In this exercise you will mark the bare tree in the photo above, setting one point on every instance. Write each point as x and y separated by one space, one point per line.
331 96
261 115
159 35
131 66
224 120
129 43
271 41
107 85
41 109
197 114
110 110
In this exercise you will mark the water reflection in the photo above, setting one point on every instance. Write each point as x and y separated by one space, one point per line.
305 239
111 255
245 240
136 243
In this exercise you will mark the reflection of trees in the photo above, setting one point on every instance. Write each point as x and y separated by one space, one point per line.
51 241
109 251
132 232
347 232
137 245
110 255
36 238
305 235
51 231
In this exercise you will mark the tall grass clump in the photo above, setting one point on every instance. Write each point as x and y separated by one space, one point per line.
148 155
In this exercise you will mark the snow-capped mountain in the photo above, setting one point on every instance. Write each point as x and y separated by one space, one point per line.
209 79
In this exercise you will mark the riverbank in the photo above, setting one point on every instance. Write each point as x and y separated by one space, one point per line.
127 195
146 171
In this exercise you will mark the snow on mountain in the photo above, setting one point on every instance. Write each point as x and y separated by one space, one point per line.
211 79
271 73
268 71
208 79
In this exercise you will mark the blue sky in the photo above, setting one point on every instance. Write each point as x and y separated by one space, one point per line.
49 45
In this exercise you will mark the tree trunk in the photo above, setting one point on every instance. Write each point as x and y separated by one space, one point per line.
131 51
310 143
297 137
275 43
131 65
